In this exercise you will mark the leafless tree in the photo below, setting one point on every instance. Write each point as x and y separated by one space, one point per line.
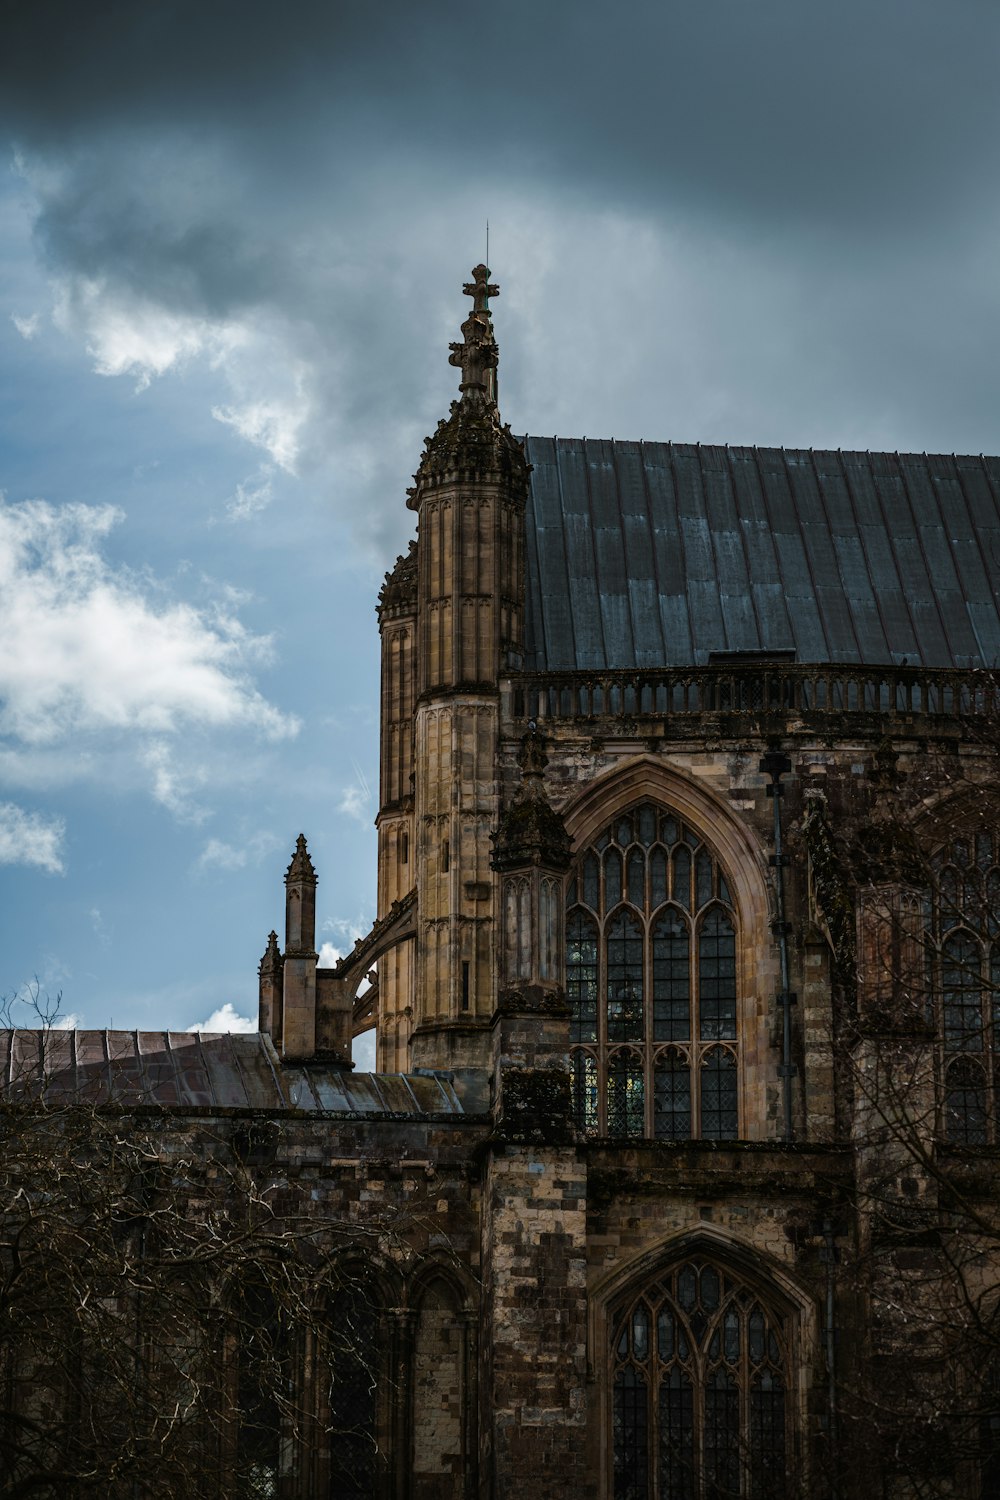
162 1290
909 896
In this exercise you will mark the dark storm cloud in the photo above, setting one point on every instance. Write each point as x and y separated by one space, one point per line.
770 220
881 111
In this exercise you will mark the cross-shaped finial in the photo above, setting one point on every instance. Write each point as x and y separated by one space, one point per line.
481 289
477 356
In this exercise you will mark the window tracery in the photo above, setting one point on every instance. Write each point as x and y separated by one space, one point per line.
965 956
699 1390
651 981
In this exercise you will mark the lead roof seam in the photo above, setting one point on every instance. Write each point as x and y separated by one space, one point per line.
206 1070
565 551
876 591
236 1059
593 551
955 562
679 532
805 551
564 559
621 524
744 548
891 539
653 550
987 570
923 551
267 1055
996 503
821 498
710 528
531 552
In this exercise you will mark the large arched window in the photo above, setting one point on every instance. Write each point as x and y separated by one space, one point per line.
699 1390
651 979
966 963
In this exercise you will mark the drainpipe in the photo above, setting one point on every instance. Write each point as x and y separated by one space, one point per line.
829 1254
776 764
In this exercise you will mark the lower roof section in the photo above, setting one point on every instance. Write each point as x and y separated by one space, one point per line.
185 1070
660 554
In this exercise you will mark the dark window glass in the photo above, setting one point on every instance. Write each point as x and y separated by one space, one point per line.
657 877
672 1097
612 878
624 966
585 1092
353 1444
717 977
581 976
262 1374
682 877
641 977
961 984
965 1102
718 1096
626 1107
671 978
637 878
631 1435
701 1409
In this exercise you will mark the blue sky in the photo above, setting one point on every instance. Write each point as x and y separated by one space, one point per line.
232 243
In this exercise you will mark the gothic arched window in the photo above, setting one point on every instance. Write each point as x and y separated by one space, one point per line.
651 979
966 958
699 1390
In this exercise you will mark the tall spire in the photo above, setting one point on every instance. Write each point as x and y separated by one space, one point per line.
477 356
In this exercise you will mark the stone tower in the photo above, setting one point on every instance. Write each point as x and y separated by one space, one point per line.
451 616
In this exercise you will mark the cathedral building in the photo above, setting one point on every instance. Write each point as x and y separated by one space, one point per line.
685 979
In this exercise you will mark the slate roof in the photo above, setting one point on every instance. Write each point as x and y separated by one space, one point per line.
212 1071
657 554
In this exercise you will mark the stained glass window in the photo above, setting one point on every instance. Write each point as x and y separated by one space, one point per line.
699 1391
651 980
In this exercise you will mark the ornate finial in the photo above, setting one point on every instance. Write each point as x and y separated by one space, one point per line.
301 866
271 962
477 356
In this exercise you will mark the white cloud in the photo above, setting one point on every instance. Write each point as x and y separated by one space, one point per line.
348 929
130 335
269 423
363 1052
27 327
237 856
329 955
69 1022
226 1018
29 838
82 648
250 498
355 799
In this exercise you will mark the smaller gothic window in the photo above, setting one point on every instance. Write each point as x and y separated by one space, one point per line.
699 1390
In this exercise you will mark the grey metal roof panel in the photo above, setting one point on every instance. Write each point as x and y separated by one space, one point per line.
649 554
203 1070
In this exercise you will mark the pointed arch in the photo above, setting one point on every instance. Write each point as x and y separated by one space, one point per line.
702 1348
648 776
646 829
